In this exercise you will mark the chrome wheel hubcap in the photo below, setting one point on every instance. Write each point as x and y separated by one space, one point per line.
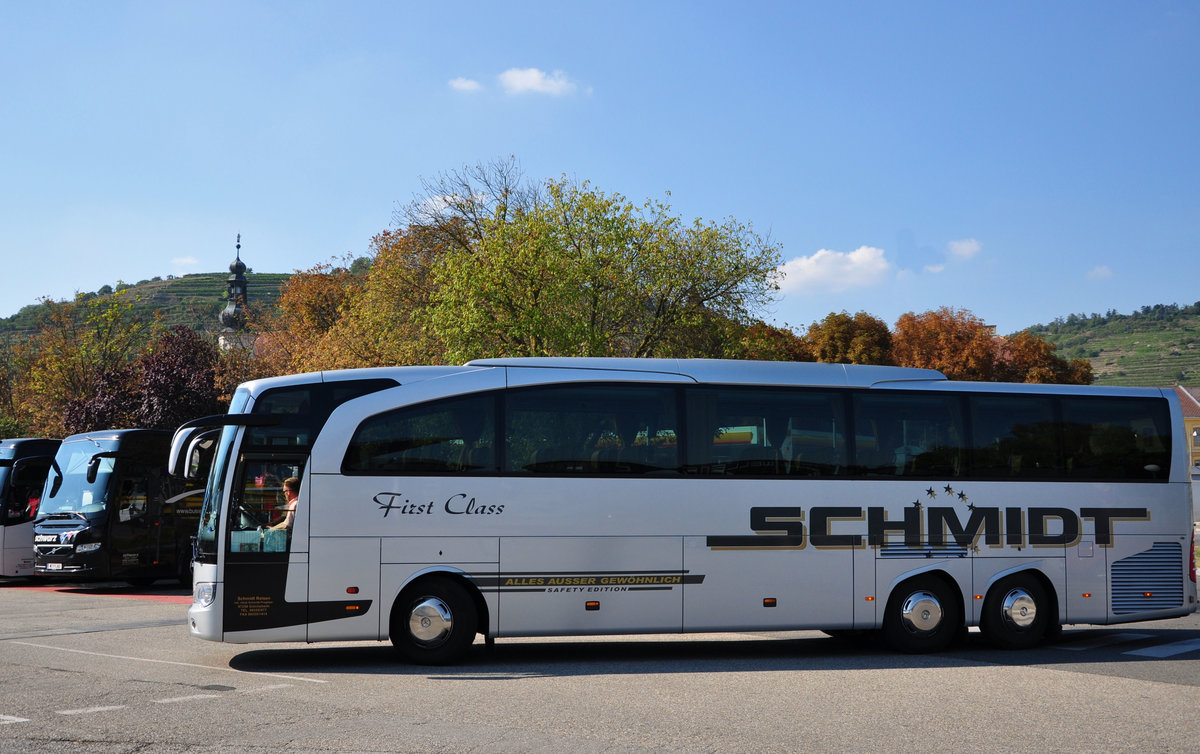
1019 609
430 621
921 612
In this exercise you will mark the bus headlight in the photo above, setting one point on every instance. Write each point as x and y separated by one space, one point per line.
89 547
204 593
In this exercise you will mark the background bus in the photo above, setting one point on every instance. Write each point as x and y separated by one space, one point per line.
110 511
532 497
24 463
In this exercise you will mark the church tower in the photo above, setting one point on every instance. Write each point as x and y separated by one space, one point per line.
233 316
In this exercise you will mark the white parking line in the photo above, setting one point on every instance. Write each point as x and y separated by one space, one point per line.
1102 641
193 697
272 687
9 719
88 710
171 662
1167 650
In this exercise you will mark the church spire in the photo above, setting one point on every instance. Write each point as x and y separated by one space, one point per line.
233 316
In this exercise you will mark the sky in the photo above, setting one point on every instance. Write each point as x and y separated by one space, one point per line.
1021 160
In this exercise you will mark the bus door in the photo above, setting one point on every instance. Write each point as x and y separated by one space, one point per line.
266 562
133 523
20 492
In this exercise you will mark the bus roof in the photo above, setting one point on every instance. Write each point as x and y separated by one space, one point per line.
116 434
734 372
402 375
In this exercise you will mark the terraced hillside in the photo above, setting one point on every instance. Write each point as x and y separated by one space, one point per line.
192 300
1158 346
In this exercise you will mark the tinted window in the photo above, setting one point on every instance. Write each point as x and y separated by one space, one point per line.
1014 436
1116 438
591 429
456 435
754 432
908 435
303 411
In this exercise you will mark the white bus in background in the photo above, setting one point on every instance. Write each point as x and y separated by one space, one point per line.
24 464
538 497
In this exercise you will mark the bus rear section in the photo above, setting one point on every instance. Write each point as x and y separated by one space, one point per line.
110 511
24 464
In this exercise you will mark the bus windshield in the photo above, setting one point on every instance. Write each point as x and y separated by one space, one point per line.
68 489
210 514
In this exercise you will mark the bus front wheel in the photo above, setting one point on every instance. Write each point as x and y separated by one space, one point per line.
434 621
1016 612
922 615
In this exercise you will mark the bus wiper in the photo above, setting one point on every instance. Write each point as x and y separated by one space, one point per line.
65 514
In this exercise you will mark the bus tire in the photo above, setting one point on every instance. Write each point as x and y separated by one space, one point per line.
923 614
1016 612
433 621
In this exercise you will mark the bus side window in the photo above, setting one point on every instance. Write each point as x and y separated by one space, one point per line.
1013 436
1116 438
596 430
915 435
452 436
131 504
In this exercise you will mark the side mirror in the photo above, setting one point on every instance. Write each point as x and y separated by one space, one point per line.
93 468
31 471
200 453
184 445
177 461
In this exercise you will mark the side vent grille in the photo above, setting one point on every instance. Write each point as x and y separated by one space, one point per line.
1157 572
897 550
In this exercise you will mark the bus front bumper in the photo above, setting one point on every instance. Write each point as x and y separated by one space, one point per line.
204 615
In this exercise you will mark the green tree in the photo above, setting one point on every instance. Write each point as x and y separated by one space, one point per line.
584 273
77 348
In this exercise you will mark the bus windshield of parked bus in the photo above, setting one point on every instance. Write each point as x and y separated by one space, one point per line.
68 489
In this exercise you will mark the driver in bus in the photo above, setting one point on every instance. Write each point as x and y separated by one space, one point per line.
291 491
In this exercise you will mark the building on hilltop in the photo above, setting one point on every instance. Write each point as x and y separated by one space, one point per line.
233 316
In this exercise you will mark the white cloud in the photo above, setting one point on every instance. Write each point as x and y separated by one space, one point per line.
185 261
1099 273
465 85
934 269
964 249
834 271
522 80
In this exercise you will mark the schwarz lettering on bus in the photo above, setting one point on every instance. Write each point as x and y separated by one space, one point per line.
456 505
1034 526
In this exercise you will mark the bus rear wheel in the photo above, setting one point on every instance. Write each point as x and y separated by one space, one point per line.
434 621
1016 612
922 615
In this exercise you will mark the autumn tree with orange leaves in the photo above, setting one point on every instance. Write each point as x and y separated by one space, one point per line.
952 341
1025 357
963 347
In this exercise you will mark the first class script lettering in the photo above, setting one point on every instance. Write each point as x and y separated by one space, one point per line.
456 505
